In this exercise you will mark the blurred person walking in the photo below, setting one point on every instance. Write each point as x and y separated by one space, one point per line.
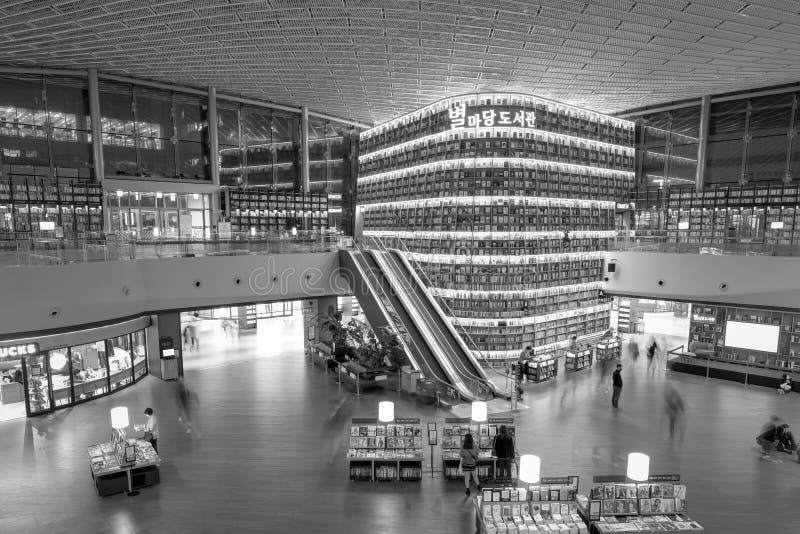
675 409
186 400
766 439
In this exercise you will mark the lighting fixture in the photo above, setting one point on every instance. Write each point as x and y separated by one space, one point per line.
119 194
386 411
529 468
156 232
195 196
159 194
119 418
479 411
638 466
57 361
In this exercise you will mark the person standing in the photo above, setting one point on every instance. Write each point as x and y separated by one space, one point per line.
469 462
503 449
616 382
151 428
185 399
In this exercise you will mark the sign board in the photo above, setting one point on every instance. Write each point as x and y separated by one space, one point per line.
432 437
491 117
15 352
224 230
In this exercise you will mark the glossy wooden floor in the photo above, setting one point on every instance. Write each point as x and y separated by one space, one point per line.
270 457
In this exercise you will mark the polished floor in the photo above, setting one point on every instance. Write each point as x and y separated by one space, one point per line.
268 455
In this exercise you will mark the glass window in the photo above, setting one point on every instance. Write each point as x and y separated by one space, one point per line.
120 361
139 346
38 393
190 117
89 370
766 157
191 161
61 376
724 161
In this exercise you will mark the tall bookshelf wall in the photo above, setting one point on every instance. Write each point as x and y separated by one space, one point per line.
506 203
722 213
76 206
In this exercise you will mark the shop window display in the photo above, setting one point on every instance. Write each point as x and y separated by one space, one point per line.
139 346
61 376
38 394
89 370
120 361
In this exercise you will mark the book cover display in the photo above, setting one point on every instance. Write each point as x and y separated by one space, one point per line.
385 451
618 505
549 506
483 433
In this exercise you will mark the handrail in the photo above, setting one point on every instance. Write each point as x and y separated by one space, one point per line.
664 241
449 311
481 385
386 305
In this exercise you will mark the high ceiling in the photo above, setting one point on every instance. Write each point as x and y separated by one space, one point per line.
372 60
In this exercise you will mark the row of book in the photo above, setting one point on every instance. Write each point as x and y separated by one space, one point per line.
655 523
385 442
384 454
637 491
390 429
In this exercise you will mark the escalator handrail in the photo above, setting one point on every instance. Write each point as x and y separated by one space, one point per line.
431 375
407 299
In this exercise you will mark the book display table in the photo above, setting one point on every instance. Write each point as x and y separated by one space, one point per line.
112 474
385 451
542 367
609 349
579 358
616 504
455 428
549 506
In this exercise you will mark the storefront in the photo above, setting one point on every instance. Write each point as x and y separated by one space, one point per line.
155 215
66 369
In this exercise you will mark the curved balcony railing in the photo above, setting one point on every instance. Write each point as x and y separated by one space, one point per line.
123 248
659 241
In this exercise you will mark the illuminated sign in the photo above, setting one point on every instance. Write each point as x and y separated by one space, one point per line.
471 117
14 352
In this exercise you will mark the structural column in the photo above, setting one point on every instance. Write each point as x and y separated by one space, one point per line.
702 142
97 144
304 175
213 137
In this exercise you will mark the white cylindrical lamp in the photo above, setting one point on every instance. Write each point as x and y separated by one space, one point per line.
479 411
530 467
386 411
119 417
638 466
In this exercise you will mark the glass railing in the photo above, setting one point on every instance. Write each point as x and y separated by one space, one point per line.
124 248
658 241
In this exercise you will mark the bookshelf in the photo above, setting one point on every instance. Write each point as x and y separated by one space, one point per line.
578 358
608 350
74 205
542 367
624 316
483 433
521 197
549 505
616 504
722 213
385 451
267 211
110 471
707 324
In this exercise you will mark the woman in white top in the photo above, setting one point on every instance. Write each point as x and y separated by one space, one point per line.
151 426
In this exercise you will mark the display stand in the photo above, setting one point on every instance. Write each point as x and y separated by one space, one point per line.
455 429
549 506
542 367
123 465
578 358
385 451
617 504
609 349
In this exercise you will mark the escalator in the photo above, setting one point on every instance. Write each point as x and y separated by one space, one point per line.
458 360
384 309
